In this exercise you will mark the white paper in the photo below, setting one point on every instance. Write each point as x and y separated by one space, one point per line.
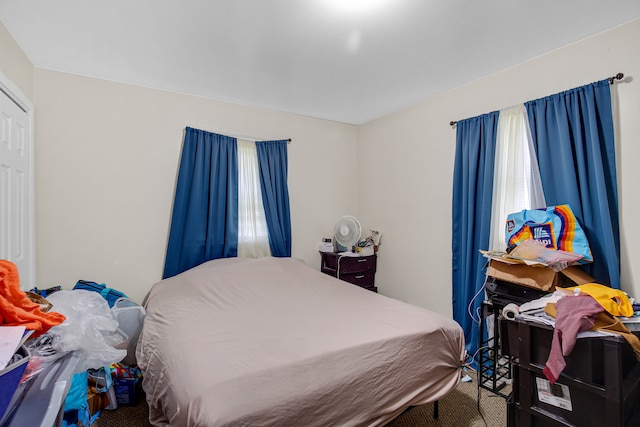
556 394
10 337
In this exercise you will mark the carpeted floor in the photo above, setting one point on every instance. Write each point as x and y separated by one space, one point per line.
458 409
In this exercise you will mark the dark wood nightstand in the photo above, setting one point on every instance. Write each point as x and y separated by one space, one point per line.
359 270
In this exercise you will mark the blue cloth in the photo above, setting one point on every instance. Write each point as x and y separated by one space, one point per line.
471 216
574 142
204 224
273 163
76 405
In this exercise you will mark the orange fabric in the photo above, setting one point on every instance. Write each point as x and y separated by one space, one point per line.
16 309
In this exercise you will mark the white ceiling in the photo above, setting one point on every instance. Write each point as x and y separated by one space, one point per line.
303 56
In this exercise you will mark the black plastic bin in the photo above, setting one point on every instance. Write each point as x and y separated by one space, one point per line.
600 385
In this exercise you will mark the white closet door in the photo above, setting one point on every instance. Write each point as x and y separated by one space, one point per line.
16 184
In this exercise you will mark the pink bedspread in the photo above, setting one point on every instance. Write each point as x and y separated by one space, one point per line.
274 342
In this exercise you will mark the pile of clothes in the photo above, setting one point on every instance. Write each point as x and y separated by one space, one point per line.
581 308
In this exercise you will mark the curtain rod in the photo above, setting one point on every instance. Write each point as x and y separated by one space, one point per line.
611 79
258 140
246 138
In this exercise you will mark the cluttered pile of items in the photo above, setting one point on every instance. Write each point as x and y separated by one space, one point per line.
545 249
76 345
545 303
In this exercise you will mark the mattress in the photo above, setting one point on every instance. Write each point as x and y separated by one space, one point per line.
274 342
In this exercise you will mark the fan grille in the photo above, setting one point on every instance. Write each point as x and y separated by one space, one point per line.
347 231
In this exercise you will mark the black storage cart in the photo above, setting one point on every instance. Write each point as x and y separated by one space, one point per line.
600 385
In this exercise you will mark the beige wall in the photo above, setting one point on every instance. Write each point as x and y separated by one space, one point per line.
14 64
107 156
406 187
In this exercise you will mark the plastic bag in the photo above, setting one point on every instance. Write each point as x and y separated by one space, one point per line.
91 327
130 316
110 294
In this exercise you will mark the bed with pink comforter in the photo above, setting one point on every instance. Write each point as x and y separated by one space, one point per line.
274 342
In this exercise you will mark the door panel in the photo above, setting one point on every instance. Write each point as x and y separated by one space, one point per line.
16 210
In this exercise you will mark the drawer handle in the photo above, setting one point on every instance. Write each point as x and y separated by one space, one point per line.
362 260
360 277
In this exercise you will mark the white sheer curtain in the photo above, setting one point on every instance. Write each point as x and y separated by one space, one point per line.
516 181
253 235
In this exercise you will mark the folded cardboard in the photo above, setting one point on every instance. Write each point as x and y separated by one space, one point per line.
97 401
537 276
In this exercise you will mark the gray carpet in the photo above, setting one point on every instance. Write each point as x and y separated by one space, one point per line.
458 409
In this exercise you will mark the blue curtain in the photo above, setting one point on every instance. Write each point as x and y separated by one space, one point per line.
272 162
472 195
204 224
574 139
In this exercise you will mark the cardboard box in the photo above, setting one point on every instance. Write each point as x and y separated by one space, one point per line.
97 401
537 277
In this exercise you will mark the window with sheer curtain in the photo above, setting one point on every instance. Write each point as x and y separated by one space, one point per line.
574 148
253 235
516 179
208 222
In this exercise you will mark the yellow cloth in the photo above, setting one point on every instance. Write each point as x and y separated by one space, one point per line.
606 322
614 301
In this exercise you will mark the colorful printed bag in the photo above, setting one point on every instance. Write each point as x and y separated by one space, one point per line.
555 226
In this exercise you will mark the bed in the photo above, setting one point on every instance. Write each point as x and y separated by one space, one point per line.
274 342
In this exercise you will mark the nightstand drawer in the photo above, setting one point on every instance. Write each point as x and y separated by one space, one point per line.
357 264
363 279
329 262
359 270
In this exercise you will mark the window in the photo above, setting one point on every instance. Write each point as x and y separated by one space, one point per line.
253 235
516 182
231 200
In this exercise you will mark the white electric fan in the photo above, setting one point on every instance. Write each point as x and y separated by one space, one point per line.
346 233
